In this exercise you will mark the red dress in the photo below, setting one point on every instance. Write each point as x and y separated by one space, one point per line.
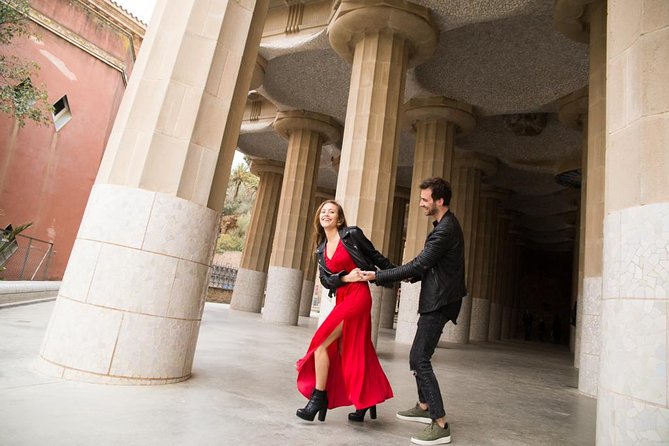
355 375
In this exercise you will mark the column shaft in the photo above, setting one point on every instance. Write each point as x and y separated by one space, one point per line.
249 289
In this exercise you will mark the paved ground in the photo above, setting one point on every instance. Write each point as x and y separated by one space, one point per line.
243 392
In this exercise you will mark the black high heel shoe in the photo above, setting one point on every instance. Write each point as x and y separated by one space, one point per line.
359 415
318 403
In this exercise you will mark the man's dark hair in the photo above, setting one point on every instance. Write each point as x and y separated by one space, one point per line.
440 189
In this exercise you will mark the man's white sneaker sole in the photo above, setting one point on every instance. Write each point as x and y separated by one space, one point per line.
443 440
416 419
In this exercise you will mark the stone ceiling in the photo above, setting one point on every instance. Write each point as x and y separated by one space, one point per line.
502 56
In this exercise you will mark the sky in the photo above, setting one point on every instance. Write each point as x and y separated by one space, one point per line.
142 9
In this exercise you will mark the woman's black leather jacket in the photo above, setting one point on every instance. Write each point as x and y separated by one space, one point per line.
361 250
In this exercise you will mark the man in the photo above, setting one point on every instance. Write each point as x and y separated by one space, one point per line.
440 267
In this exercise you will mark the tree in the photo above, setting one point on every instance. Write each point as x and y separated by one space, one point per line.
241 175
19 97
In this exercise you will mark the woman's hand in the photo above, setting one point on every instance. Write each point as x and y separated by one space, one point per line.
368 275
354 276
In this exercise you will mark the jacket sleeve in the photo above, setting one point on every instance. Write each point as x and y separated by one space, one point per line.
370 252
437 243
331 281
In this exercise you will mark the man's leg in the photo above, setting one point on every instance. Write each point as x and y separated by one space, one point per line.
430 327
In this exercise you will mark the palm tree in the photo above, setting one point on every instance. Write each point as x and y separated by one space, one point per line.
242 175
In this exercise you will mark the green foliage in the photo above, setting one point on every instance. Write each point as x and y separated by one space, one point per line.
240 197
19 97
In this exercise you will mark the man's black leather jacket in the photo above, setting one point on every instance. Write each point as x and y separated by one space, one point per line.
440 266
361 250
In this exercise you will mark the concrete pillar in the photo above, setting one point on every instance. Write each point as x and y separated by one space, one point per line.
436 121
249 289
306 133
309 258
632 398
481 291
496 302
389 296
591 18
574 114
381 38
470 168
131 301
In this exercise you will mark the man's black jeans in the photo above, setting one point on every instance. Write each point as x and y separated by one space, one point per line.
430 327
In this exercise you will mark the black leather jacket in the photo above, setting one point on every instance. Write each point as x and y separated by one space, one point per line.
440 266
361 250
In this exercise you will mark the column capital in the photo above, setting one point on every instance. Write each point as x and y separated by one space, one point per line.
258 73
496 193
470 159
262 165
572 19
459 113
288 121
356 18
573 108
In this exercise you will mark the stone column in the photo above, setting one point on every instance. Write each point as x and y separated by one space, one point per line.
389 297
131 301
508 254
381 38
496 303
574 114
306 133
436 121
591 18
480 319
309 257
471 167
632 398
249 289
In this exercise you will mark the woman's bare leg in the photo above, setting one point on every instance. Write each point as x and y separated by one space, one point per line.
322 360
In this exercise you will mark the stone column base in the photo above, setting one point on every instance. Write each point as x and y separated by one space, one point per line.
480 320
307 297
285 287
407 316
377 295
249 290
129 308
459 333
388 304
506 323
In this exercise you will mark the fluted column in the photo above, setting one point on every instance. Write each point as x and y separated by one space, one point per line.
306 133
249 289
436 121
381 39
497 302
470 168
131 301
632 403
389 296
481 291
309 257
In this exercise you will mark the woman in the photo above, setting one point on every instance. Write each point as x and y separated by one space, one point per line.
341 367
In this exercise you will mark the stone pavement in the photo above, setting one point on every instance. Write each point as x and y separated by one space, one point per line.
243 392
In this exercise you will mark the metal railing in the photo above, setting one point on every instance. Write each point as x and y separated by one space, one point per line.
26 258
222 276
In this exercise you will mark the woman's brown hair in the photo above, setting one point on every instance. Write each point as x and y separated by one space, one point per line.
320 232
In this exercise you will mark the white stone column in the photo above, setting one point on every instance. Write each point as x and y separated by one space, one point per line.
131 301
306 133
470 169
309 258
381 39
249 289
480 319
632 403
436 121
389 296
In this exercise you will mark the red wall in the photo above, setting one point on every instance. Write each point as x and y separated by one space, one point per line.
46 176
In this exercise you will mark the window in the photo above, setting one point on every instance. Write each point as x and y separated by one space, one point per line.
61 112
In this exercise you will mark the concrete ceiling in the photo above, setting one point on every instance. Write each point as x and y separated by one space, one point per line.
502 56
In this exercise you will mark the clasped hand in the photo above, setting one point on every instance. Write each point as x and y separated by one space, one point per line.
358 275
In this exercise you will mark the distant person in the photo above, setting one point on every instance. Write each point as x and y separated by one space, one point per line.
440 267
340 367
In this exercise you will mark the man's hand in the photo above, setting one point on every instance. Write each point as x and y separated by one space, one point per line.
368 275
